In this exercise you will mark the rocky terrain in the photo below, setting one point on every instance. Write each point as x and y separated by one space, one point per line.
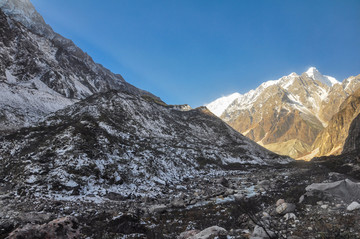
288 114
117 143
99 158
271 202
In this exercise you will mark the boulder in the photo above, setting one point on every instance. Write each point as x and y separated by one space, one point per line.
266 215
210 232
223 181
238 196
353 206
178 203
259 232
188 234
289 216
158 208
285 208
325 206
279 202
66 227
314 196
264 184
344 189
229 192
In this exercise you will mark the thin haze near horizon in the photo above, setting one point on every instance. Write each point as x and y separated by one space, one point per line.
196 51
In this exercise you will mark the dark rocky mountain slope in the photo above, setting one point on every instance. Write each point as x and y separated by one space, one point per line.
352 143
41 71
122 143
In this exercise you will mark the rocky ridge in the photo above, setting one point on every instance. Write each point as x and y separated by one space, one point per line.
41 71
286 115
331 140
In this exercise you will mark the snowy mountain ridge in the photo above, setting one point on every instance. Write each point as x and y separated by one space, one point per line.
219 106
280 111
313 73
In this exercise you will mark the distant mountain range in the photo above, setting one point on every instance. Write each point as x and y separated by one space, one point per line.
291 115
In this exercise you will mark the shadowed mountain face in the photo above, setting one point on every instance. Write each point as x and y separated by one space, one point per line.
331 140
352 144
286 115
123 143
41 71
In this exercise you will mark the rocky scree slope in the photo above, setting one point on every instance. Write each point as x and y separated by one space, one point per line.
286 115
122 143
41 71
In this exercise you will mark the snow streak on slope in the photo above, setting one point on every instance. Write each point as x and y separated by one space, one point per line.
24 105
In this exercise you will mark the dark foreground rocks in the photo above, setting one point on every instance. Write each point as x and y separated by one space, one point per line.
304 200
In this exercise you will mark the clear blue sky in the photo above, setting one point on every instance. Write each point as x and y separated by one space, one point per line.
194 51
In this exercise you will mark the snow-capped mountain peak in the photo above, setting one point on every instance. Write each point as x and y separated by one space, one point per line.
314 74
293 74
218 106
273 113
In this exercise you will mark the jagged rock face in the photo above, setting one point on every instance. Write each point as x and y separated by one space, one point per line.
286 115
23 11
41 71
282 112
123 143
331 140
336 96
352 143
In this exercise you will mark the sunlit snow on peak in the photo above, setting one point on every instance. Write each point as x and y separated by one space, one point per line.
218 106
314 74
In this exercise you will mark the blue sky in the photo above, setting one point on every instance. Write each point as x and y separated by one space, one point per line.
194 51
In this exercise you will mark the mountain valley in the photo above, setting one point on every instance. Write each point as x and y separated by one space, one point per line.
85 154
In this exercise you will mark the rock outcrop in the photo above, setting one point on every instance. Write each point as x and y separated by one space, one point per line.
352 143
332 139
